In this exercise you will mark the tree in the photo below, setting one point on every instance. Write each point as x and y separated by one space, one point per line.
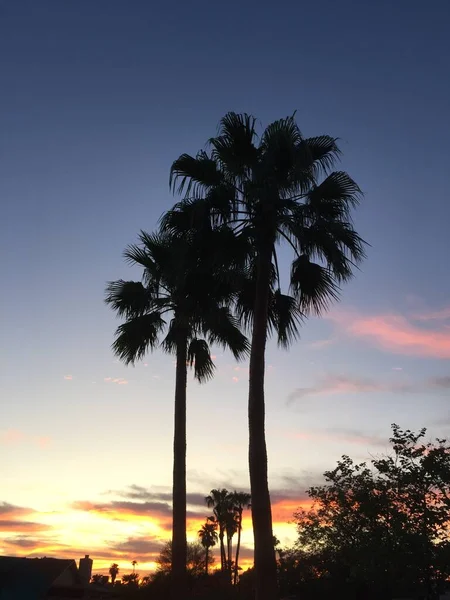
241 500
385 527
99 579
134 563
114 571
218 500
131 580
208 538
271 192
195 560
184 280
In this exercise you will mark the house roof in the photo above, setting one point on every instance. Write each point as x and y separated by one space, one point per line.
31 578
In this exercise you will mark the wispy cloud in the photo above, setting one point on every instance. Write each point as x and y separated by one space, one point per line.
347 384
416 335
341 435
116 380
12 437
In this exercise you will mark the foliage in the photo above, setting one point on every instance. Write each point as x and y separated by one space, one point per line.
228 509
131 580
114 571
196 557
269 191
383 527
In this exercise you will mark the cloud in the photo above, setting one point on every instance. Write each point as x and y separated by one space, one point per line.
345 384
341 435
139 547
414 335
21 526
137 492
11 510
12 436
68 377
116 380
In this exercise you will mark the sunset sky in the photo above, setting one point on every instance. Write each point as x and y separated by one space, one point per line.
97 98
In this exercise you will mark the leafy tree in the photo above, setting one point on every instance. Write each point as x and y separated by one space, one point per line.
185 291
240 500
99 579
208 538
114 571
131 580
383 527
195 560
269 191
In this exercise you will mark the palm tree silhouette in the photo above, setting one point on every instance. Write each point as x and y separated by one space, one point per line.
240 500
114 571
208 537
134 563
185 282
218 500
271 191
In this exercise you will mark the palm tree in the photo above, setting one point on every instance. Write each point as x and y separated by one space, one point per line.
269 190
186 282
218 501
134 563
208 537
240 501
230 529
114 571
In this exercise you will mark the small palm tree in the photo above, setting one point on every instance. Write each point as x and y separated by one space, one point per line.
114 571
208 538
240 500
269 189
134 563
185 292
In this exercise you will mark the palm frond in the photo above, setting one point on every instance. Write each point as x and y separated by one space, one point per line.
192 214
313 285
234 149
222 328
284 318
320 152
127 298
199 358
136 336
194 175
337 244
334 197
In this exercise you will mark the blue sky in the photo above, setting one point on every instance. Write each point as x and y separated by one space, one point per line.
98 98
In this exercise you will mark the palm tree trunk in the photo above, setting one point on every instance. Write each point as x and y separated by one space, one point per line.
265 562
207 557
238 547
222 551
179 550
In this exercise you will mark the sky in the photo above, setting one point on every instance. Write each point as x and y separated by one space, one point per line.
97 99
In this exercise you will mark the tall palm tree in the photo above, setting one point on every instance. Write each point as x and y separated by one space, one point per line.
241 500
208 538
114 571
184 292
134 563
218 501
230 530
270 190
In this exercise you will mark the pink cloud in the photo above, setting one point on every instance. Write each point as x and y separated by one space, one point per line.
43 441
399 334
68 377
12 436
